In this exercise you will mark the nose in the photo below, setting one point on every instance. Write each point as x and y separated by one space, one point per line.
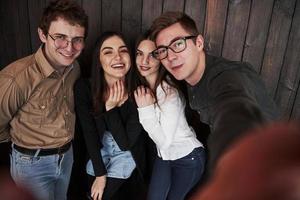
69 46
145 59
171 55
118 56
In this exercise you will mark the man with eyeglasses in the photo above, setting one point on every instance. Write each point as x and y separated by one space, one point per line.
229 96
36 103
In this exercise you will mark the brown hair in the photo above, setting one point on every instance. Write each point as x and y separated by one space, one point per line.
68 10
169 18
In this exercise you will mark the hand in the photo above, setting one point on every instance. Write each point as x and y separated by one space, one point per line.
98 187
143 97
115 95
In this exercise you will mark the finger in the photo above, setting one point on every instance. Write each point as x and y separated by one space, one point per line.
122 88
113 92
138 92
142 90
118 88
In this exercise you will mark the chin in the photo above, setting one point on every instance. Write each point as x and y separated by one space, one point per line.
67 62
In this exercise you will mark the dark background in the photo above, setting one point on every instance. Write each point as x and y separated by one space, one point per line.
265 33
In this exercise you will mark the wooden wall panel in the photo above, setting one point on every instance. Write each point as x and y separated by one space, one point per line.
21 28
277 42
91 6
35 8
173 5
257 33
236 27
131 20
15 32
216 12
290 73
296 107
151 9
196 9
7 34
111 15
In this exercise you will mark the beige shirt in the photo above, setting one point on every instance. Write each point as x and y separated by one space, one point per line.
36 102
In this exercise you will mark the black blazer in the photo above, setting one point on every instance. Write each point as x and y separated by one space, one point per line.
122 122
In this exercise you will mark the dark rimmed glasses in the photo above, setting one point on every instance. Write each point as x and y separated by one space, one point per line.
61 41
176 46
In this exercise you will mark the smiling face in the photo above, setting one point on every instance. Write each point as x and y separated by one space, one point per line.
147 65
114 58
59 58
186 65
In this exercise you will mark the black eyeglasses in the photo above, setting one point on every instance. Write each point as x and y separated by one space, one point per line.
176 46
61 41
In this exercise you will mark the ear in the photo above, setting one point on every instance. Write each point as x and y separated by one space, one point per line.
200 42
42 36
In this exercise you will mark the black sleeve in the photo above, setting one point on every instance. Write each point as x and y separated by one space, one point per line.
83 108
124 125
234 110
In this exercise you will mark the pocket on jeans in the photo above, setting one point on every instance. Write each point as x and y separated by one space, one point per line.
24 159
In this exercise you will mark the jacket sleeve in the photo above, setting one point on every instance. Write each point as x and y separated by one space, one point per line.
87 123
234 110
11 99
162 131
124 125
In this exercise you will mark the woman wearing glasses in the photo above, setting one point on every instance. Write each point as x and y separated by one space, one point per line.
180 156
109 120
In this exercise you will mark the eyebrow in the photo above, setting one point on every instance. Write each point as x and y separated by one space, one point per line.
104 48
174 39
66 36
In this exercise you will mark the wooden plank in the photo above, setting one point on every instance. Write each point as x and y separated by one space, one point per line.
290 73
16 37
7 34
237 21
93 10
196 9
132 20
216 12
111 15
35 8
258 27
21 25
277 42
296 108
173 5
151 10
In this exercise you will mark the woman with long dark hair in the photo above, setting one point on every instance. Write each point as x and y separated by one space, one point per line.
108 119
180 159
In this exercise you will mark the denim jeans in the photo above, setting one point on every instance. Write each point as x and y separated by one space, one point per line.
119 164
173 179
47 177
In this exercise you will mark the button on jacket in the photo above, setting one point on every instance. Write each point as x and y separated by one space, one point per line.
36 102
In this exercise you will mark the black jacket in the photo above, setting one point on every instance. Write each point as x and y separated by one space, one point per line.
122 122
231 98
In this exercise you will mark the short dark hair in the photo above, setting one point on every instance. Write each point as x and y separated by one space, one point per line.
69 10
169 18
